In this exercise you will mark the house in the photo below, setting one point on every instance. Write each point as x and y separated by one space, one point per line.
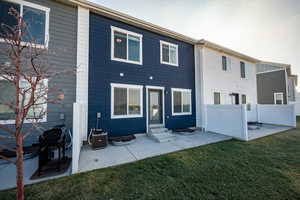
275 83
140 76
57 25
223 76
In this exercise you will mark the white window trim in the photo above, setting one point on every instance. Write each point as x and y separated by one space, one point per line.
275 99
161 56
226 58
26 121
140 36
243 78
181 90
39 7
127 86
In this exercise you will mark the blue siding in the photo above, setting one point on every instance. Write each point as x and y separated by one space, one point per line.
103 71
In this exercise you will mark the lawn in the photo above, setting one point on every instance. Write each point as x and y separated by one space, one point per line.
267 168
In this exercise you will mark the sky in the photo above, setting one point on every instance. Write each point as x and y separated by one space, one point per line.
265 29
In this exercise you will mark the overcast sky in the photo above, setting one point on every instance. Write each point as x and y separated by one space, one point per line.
264 29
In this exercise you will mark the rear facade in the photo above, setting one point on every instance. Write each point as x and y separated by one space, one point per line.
138 79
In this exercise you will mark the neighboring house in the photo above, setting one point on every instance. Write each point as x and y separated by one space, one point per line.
275 83
223 76
57 30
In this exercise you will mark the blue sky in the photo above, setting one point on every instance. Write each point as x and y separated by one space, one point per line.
264 29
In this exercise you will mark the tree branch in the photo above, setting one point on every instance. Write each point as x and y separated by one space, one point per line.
7 159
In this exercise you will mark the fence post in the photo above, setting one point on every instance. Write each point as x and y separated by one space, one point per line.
245 121
76 145
205 117
258 113
294 115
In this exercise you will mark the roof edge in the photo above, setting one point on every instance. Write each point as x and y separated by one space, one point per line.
226 50
132 20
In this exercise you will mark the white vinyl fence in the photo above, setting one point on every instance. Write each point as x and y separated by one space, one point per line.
277 114
79 133
297 108
232 120
252 113
227 119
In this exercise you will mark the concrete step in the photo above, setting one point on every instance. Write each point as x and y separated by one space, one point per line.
158 130
162 137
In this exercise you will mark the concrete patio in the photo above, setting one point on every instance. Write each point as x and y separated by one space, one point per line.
144 147
8 174
266 130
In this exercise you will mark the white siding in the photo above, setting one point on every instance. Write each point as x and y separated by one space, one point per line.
227 82
83 63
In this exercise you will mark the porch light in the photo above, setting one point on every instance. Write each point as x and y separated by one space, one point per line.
119 40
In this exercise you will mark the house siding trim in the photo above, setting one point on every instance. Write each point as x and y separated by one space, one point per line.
82 62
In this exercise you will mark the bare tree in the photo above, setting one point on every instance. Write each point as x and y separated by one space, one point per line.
24 66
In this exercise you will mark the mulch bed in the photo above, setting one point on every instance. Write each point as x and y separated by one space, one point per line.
122 140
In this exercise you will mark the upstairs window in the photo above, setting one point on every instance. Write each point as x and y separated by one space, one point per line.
126 101
126 46
35 16
217 98
168 53
8 96
243 70
244 99
181 102
278 98
224 63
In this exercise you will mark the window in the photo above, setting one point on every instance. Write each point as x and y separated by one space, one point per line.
126 46
224 63
7 96
243 72
181 102
168 53
217 98
35 16
126 101
244 99
278 98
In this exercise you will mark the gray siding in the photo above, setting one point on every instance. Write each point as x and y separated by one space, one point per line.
270 83
62 45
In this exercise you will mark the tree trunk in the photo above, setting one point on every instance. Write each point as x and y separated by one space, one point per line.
20 168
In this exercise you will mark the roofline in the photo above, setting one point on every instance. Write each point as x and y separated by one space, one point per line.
276 64
220 48
132 20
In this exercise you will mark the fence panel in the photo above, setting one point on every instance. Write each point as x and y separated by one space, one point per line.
277 114
228 120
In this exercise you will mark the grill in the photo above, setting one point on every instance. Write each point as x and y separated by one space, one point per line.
50 141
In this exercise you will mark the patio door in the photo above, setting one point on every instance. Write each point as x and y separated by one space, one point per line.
155 107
